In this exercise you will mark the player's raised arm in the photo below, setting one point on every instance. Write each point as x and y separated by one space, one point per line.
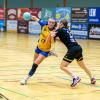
35 18
27 16
40 21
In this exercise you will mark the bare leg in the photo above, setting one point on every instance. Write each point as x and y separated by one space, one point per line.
83 66
35 56
37 60
64 67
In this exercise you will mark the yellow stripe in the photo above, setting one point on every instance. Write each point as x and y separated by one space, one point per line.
68 59
80 58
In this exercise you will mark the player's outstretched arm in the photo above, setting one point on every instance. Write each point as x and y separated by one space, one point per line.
41 22
35 18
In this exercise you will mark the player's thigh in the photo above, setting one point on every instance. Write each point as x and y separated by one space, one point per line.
69 56
35 56
37 52
64 63
39 59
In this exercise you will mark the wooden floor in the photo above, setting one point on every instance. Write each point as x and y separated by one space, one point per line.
49 82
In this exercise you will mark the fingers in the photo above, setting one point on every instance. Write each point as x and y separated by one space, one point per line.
53 34
33 17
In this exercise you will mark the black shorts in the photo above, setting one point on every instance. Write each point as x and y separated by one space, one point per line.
74 52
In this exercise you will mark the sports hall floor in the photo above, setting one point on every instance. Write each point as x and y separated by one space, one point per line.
49 82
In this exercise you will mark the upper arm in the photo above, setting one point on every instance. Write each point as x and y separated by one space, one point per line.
42 23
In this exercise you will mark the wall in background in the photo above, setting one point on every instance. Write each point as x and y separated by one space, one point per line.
83 3
51 3
47 3
36 3
1 3
18 3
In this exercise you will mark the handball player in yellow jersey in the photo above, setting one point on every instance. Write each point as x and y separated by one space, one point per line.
43 47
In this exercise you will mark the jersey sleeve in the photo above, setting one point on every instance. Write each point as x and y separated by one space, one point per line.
42 23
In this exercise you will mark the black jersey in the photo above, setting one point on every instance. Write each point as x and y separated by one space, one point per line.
66 37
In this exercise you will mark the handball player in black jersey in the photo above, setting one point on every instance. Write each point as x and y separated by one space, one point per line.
74 52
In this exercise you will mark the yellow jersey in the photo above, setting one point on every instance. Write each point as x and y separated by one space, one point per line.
42 44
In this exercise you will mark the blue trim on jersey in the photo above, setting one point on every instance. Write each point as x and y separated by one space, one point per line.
42 22
37 50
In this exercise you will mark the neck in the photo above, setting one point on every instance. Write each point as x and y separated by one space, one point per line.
51 29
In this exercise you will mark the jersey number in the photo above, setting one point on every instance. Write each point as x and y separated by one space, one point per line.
43 40
71 36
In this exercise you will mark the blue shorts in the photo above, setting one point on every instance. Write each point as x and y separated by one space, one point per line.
37 50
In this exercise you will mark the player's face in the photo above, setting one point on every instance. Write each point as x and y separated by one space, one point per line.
51 23
61 25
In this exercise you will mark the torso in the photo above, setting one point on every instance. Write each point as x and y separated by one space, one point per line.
44 34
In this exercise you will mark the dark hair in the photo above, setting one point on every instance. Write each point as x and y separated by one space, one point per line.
64 22
55 24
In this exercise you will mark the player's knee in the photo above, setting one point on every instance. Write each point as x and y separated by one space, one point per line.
62 66
38 61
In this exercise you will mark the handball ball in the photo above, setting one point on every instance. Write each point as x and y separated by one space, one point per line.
27 16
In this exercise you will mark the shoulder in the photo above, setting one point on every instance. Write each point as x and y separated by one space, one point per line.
42 22
59 30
